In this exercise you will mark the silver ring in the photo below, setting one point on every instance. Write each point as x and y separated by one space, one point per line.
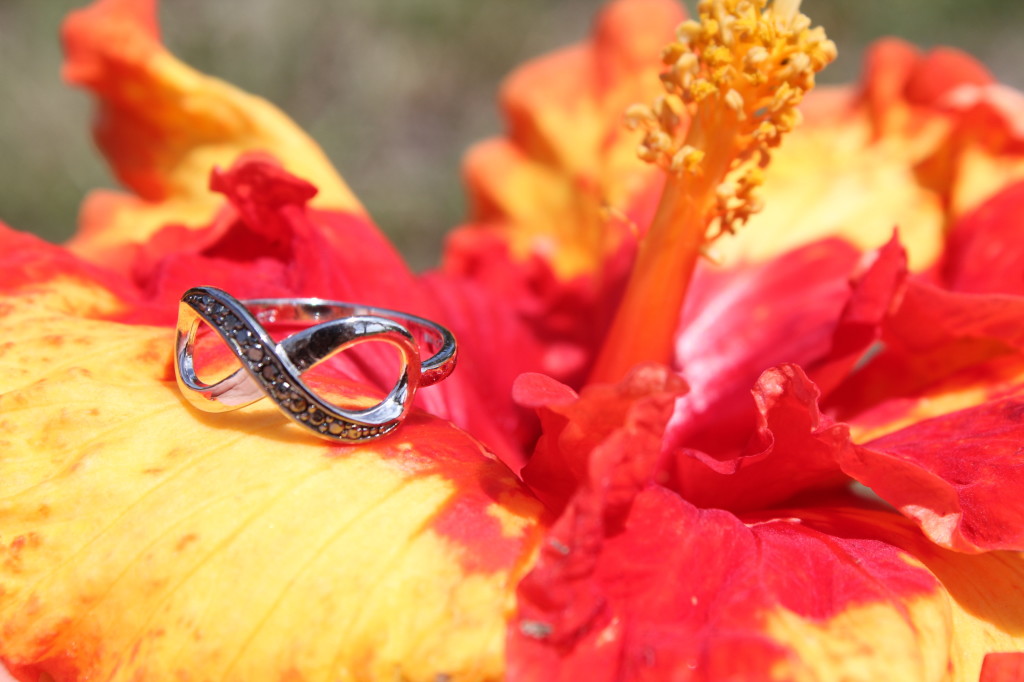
273 369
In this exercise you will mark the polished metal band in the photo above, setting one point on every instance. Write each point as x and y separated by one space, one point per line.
273 369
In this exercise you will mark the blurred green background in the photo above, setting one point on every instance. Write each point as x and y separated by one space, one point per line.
394 90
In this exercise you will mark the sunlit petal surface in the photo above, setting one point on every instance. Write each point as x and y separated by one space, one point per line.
927 136
233 547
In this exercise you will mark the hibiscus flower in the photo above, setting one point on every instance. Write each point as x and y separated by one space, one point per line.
643 467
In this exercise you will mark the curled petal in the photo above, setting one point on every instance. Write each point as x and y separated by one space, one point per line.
142 539
799 308
736 452
941 71
270 242
577 430
940 352
875 294
164 127
793 448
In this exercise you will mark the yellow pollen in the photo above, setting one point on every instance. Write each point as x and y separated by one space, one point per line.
737 75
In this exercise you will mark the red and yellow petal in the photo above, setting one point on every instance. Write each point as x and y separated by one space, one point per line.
164 127
143 538
940 351
981 598
813 595
27 262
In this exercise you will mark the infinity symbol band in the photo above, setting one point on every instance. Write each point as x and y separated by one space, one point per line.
274 369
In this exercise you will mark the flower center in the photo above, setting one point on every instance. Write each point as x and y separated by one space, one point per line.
734 81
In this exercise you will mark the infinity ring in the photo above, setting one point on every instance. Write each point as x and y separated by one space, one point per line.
273 369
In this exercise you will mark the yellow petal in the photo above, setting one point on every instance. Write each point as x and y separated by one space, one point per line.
976 611
142 540
926 138
165 126
830 179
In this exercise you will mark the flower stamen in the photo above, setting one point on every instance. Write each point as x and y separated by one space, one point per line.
733 82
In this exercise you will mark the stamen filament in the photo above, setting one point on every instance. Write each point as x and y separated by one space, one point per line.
733 83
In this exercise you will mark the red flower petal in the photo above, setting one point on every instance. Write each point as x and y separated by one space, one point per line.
1003 667
495 347
556 203
666 591
986 250
965 344
806 313
741 320
958 476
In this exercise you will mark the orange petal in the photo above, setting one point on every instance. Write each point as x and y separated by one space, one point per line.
164 127
141 539
567 158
